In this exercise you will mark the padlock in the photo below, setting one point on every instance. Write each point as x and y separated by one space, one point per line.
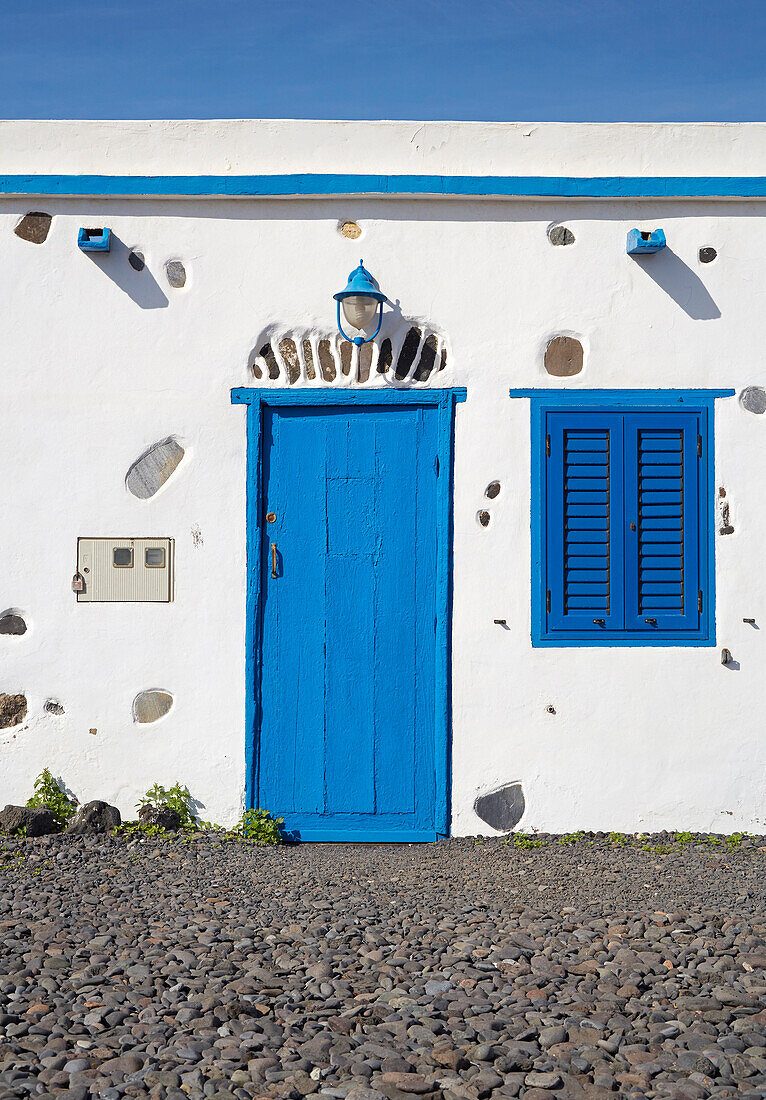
78 583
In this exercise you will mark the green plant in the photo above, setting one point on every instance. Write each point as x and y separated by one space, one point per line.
658 849
175 798
260 826
734 840
524 841
48 792
711 841
684 838
571 838
617 840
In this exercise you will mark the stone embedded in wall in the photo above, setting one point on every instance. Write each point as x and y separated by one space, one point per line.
560 235
492 490
753 398
350 230
308 359
149 706
483 517
346 353
563 357
13 710
386 356
34 227
12 623
707 255
408 352
136 260
502 809
175 273
53 706
326 361
365 362
150 472
289 353
427 360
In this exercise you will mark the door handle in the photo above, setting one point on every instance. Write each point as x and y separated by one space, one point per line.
273 559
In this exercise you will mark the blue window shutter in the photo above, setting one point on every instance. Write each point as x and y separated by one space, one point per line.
662 522
584 522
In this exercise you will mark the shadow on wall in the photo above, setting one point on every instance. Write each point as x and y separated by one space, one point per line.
137 282
677 279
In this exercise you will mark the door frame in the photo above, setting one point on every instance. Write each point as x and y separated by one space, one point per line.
442 399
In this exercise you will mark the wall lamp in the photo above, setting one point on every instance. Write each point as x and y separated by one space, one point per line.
360 300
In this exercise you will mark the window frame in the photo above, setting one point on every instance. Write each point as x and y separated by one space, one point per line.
545 401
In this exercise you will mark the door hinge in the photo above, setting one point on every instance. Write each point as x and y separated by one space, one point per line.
699 446
699 600
548 600
547 446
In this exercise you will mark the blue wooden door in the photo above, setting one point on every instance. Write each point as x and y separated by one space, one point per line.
349 546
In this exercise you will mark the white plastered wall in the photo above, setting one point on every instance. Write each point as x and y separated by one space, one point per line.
99 362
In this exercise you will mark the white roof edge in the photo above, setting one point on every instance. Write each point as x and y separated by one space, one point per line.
281 146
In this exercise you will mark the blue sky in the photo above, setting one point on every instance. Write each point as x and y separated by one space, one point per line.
531 60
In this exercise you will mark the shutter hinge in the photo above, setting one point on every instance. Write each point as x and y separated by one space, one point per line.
699 600
547 446
548 600
699 446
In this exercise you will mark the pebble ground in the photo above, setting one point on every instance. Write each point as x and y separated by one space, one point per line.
462 970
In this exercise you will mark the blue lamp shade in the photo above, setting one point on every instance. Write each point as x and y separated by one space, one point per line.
361 299
360 281
641 243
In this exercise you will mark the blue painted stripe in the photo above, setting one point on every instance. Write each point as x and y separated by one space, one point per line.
331 183
645 398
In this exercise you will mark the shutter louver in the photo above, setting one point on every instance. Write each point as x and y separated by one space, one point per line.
662 491
660 523
586 521
584 528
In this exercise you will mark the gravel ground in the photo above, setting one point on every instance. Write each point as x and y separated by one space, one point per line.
464 970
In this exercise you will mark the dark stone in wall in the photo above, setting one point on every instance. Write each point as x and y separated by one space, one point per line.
136 260
12 624
753 398
502 809
386 356
13 710
492 490
267 353
427 360
707 255
483 518
34 227
176 273
559 235
52 706
408 353
346 351
563 357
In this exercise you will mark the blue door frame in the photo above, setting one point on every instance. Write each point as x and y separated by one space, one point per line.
444 401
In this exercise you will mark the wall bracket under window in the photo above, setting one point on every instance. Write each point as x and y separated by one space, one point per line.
643 242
